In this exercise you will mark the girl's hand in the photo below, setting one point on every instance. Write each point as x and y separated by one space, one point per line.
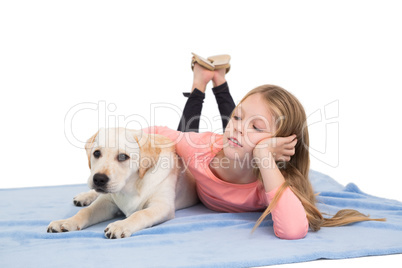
281 148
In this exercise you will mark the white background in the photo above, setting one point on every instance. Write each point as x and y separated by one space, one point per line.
68 67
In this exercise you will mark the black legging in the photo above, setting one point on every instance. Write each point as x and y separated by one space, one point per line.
190 119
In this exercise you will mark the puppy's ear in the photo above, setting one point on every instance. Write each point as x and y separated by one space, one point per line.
88 147
149 154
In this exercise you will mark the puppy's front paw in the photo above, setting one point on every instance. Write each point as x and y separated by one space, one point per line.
85 199
118 229
63 226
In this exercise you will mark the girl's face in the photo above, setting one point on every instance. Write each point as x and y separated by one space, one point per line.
252 122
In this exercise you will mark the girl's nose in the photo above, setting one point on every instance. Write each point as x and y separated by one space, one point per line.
238 127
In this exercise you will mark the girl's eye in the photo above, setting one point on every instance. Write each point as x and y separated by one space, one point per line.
97 154
122 157
236 117
256 128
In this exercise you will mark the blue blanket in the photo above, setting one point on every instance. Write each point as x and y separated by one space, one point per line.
197 237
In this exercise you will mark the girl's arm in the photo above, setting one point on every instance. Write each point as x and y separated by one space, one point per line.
289 216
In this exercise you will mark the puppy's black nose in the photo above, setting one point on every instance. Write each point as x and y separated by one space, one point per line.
100 179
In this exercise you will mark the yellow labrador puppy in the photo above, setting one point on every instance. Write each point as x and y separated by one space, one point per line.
135 173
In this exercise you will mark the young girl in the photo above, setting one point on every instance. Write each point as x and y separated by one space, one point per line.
261 162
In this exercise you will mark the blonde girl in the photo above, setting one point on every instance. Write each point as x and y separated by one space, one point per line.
260 163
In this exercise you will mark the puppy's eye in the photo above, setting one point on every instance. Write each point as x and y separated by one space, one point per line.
122 157
97 154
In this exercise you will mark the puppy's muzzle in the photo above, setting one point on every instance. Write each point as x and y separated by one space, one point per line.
100 181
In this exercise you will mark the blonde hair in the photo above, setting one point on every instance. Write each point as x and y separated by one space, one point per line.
291 119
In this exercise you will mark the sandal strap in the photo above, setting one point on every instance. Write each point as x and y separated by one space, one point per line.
201 61
208 63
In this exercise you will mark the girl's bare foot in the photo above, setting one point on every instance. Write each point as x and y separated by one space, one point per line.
202 77
219 77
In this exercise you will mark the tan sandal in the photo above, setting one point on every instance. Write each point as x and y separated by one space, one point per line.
212 63
220 62
201 61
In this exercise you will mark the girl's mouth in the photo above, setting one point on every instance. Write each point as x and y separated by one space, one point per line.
234 142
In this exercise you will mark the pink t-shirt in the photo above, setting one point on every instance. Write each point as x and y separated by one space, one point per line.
198 150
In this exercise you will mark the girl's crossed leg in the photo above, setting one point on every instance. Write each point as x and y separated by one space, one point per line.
190 119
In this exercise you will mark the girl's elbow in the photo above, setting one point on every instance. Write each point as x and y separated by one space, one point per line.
293 233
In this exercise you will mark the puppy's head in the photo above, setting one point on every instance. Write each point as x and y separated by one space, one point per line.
118 157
